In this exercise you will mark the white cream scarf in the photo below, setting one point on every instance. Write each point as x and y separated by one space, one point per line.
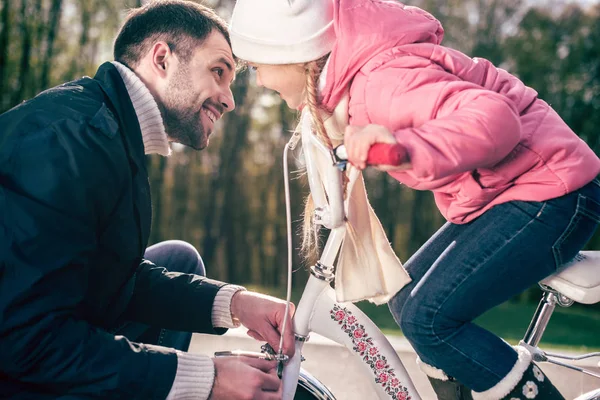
367 267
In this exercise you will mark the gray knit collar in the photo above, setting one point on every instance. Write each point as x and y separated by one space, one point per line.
151 123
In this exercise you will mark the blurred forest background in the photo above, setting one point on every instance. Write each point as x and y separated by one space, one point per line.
228 199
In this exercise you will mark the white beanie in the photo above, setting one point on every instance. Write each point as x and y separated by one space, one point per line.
282 31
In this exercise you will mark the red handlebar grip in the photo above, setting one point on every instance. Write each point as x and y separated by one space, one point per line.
386 154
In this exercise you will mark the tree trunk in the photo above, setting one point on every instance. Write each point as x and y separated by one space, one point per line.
223 184
280 222
260 226
231 195
78 63
38 32
4 34
53 26
211 232
180 193
38 8
22 80
157 166
423 221
94 46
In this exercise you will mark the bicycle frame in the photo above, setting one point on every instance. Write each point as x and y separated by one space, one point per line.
347 325
536 330
318 311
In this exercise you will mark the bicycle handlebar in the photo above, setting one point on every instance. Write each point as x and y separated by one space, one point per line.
386 154
379 154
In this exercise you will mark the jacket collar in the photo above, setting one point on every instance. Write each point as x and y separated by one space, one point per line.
113 86
119 102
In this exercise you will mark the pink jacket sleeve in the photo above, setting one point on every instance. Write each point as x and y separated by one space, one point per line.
447 125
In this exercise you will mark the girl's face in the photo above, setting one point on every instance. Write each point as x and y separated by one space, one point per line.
288 80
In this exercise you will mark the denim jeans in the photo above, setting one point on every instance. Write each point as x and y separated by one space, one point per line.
465 270
175 256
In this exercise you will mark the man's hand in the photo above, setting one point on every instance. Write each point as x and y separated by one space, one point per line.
245 378
263 316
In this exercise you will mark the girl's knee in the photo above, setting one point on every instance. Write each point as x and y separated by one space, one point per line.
177 256
409 315
396 304
191 260
414 321
421 322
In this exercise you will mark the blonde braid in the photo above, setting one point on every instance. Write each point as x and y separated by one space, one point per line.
310 231
313 72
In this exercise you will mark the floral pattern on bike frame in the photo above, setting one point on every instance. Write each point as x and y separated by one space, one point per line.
363 345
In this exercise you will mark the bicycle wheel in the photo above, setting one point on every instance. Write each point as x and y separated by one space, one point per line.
304 394
310 388
593 395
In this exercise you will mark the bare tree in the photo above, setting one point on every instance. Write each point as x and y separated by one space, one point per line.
425 220
24 64
223 185
78 63
4 33
53 26
157 167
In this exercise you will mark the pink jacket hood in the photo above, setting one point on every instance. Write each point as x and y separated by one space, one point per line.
475 134
379 26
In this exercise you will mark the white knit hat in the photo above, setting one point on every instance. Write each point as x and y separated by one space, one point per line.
282 31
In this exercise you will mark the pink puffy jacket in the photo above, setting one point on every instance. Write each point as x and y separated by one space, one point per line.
475 134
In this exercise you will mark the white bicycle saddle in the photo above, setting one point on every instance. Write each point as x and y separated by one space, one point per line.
580 278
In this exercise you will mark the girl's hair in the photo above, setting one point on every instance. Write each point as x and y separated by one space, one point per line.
310 231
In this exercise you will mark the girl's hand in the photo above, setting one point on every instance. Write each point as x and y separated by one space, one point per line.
359 139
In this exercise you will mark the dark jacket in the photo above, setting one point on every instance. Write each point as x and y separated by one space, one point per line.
74 222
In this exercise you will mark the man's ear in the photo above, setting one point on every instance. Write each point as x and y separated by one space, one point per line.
162 59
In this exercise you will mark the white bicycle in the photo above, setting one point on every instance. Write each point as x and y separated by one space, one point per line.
346 324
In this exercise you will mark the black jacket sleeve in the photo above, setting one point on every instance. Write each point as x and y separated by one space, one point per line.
173 300
49 209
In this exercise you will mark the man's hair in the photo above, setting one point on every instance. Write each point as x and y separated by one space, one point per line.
183 25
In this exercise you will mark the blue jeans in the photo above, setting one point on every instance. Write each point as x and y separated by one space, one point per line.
175 256
465 270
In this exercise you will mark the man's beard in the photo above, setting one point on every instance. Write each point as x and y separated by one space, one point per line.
184 126
183 122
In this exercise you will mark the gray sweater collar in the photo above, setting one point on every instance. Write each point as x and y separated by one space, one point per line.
151 123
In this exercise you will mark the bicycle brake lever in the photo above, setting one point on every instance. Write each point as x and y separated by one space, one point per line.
341 157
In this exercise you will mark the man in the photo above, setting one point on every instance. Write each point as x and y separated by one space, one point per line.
84 313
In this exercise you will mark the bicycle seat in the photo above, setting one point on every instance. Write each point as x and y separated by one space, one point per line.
579 279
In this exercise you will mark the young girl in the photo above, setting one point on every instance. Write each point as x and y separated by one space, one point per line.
516 185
